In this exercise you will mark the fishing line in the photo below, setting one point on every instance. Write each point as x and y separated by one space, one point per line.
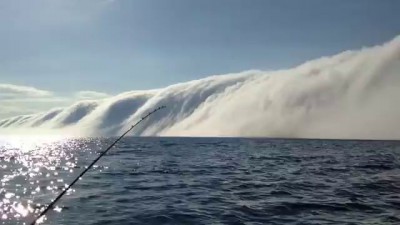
50 206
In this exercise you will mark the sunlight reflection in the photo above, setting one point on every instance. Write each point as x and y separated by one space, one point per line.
32 172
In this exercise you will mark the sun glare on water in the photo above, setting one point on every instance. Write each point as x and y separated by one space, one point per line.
30 174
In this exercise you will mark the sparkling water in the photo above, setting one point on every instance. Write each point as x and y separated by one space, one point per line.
201 181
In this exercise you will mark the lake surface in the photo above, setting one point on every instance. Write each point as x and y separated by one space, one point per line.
201 181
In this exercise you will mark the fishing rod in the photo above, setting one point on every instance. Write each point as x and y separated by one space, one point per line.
90 166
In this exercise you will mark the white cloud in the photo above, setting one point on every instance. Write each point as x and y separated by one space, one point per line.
10 111
91 95
11 90
350 95
18 100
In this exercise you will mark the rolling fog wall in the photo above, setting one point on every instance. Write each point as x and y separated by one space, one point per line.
354 94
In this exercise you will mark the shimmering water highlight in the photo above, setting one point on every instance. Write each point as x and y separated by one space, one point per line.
202 181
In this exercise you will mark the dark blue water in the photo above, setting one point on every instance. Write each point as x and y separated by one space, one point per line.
203 181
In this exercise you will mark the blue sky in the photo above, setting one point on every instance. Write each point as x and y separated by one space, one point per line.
111 46
67 46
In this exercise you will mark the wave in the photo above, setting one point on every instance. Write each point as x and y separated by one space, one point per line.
350 95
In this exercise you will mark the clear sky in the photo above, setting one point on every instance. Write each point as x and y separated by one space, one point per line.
67 46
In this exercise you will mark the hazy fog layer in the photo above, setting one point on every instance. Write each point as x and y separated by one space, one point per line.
354 94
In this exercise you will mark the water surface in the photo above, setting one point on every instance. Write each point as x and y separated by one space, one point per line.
202 181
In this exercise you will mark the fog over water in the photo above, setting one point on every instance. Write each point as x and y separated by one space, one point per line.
353 94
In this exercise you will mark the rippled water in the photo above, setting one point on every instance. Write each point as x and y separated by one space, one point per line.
202 181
